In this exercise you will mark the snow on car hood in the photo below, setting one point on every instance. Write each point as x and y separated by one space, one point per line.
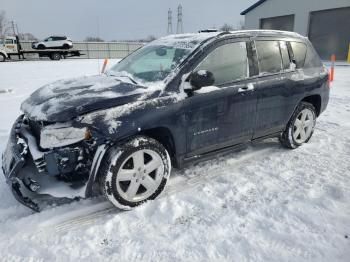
66 99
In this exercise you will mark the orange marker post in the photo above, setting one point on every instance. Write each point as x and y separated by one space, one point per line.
331 76
104 65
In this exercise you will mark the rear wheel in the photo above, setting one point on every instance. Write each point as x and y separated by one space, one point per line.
2 58
65 46
41 46
300 127
55 56
134 172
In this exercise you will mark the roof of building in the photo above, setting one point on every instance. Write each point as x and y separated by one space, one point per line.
250 8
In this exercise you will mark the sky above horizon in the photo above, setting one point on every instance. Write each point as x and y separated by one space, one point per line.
118 20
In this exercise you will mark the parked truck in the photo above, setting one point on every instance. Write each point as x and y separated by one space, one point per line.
11 47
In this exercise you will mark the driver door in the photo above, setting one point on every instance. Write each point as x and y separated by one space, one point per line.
222 115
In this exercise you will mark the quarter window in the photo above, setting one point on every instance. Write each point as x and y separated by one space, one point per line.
228 63
299 52
269 57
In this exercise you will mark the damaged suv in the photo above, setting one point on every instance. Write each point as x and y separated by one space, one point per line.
175 100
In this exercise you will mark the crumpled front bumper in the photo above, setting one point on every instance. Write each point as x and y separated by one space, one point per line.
22 173
13 160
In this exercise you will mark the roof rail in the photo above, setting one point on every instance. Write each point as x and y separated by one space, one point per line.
209 30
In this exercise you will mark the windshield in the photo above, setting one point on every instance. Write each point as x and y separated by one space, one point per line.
150 63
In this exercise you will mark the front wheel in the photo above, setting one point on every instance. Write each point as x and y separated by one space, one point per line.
2 58
134 172
300 127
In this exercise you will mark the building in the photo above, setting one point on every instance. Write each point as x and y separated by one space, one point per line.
325 22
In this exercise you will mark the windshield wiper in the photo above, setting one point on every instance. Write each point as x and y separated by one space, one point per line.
118 75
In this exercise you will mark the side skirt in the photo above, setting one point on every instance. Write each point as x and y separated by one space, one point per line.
222 151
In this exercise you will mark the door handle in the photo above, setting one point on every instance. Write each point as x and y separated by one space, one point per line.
249 87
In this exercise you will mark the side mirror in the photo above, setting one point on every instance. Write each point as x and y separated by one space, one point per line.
201 78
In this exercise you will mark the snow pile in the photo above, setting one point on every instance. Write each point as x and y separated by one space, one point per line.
265 203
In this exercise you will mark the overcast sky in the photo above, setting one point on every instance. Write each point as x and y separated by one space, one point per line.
127 19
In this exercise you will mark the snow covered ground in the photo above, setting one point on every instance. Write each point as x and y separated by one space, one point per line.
264 203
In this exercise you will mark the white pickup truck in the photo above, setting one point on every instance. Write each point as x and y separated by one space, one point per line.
9 47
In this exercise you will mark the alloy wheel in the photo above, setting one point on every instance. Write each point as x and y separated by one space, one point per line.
140 175
303 125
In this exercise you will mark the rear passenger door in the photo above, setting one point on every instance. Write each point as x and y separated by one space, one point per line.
274 91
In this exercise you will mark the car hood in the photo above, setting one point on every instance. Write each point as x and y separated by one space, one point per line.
66 99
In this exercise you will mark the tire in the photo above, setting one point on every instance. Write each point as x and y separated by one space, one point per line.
65 46
55 56
124 177
2 58
300 126
41 47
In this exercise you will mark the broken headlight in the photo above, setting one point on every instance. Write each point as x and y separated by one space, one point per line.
59 135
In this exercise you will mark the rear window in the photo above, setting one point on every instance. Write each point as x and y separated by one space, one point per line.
269 57
299 52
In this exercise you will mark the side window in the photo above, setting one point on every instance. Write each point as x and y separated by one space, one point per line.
285 55
299 52
228 63
269 56
8 41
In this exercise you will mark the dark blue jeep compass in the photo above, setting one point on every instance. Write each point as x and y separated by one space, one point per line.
174 100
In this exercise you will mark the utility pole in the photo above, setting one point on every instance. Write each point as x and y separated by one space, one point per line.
170 23
13 27
179 27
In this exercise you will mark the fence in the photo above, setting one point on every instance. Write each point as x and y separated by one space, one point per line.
99 49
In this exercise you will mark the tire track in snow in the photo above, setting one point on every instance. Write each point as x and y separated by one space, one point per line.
66 224
213 168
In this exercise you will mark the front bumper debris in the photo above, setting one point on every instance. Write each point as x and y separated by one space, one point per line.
28 170
13 160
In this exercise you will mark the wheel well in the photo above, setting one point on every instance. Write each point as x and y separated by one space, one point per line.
165 137
315 100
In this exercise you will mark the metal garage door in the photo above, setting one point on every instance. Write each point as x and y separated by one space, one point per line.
285 23
329 31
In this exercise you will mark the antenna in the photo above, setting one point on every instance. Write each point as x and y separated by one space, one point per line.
170 24
179 27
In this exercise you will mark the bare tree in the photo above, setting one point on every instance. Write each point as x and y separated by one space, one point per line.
27 37
240 25
150 38
226 27
93 39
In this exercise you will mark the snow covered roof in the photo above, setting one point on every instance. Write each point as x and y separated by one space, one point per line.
189 41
